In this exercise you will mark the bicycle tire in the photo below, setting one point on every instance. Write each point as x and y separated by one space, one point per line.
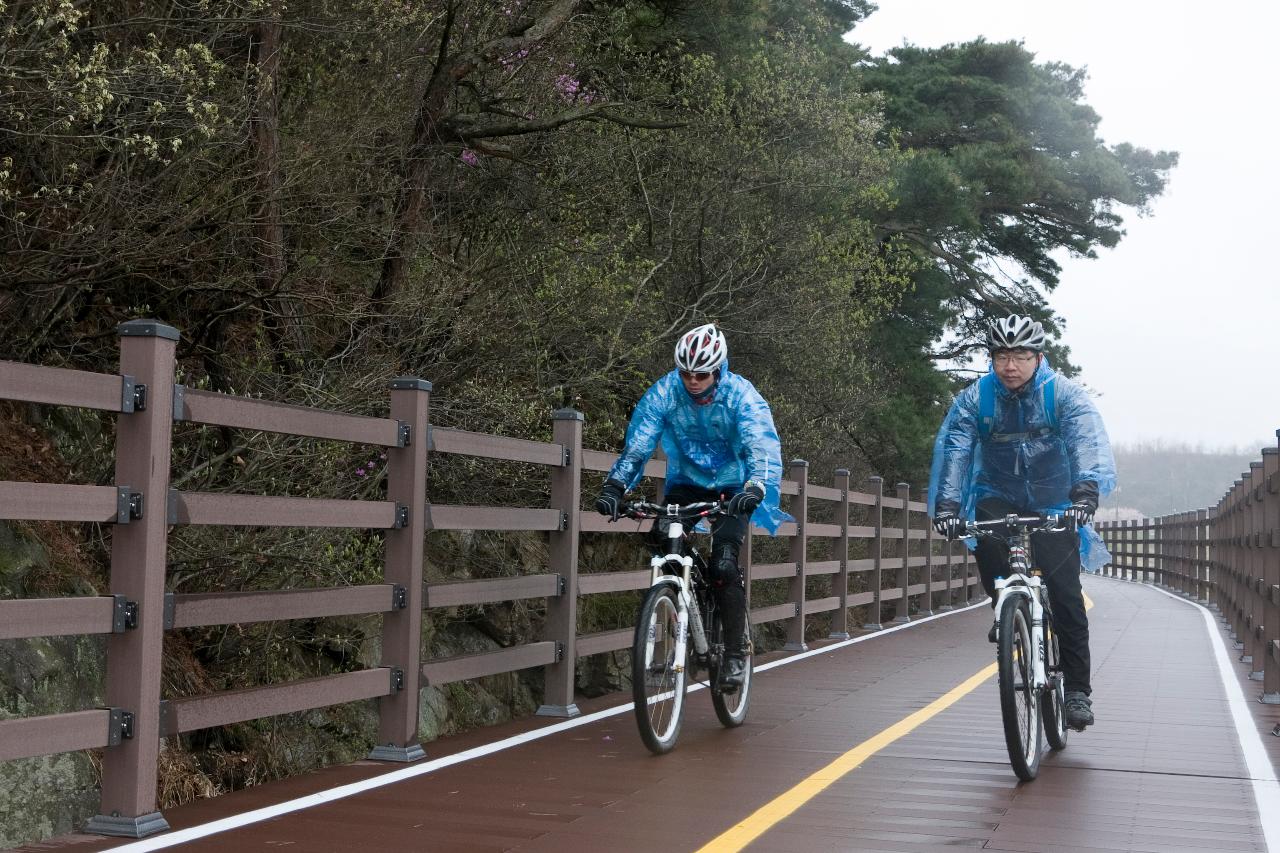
731 708
658 680
1019 705
1053 710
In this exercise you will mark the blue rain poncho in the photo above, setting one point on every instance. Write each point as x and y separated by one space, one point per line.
1023 458
719 445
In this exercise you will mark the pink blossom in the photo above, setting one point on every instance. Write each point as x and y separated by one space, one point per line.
469 157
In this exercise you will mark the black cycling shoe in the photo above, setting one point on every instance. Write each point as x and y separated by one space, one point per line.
1079 710
733 673
991 635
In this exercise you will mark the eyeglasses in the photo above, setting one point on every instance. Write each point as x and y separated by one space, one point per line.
699 376
1014 358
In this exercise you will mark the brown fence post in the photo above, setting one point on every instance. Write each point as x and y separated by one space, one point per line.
1255 649
799 471
927 608
840 629
138 548
877 555
1270 529
562 610
1200 557
402 626
951 596
902 609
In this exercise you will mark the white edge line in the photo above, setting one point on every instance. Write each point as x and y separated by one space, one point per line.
182 836
1266 788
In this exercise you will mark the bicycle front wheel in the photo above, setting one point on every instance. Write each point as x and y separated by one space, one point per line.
731 707
657 677
1019 704
1053 697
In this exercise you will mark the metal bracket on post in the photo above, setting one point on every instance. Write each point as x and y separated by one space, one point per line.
119 726
559 651
404 434
133 395
128 400
562 584
170 608
564 521
402 517
124 615
179 402
397 679
399 597
568 456
128 505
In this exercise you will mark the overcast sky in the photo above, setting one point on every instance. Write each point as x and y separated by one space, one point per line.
1178 328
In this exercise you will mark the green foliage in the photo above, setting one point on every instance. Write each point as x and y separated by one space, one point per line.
1003 167
523 203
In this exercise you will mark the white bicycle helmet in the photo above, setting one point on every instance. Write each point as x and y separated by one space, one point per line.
701 350
1016 332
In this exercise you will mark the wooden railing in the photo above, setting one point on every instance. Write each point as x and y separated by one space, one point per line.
1226 556
142 506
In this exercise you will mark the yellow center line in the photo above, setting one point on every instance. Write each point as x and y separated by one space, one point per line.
780 807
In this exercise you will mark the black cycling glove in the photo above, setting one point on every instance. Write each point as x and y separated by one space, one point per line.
1084 503
746 501
610 501
947 521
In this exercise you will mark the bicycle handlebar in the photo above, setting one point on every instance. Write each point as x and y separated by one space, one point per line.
1046 523
678 512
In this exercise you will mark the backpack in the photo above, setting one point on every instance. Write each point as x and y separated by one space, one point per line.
987 411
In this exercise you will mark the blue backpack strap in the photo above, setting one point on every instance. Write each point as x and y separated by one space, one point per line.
986 405
1050 392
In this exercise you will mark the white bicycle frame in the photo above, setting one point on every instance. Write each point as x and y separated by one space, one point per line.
688 618
1022 582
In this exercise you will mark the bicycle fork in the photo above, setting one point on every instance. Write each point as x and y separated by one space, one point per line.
688 618
1028 586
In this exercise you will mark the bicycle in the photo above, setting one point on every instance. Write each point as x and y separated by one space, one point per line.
679 606
1032 689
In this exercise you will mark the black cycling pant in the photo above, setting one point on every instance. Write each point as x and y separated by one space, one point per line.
1057 555
725 575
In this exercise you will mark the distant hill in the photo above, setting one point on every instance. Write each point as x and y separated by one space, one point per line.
1159 479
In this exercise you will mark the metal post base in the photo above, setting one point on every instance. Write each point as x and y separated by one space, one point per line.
127 827
920 614
838 635
1246 658
944 608
1270 698
901 620
401 754
872 626
570 710
795 647
1256 675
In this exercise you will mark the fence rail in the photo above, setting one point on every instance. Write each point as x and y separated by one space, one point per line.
923 573
1226 556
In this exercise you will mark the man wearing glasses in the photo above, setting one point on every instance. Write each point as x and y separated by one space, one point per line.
1024 439
720 442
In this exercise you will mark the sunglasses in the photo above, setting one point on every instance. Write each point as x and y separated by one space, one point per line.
700 376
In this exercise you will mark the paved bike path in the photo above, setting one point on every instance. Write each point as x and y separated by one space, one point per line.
1161 770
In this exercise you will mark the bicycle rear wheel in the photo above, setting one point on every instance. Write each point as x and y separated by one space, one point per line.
657 677
1053 697
731 708
1019 704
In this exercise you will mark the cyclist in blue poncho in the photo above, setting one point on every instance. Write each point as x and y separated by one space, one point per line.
720 442
1025 439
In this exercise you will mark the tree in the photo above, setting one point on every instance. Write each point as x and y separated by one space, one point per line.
1003 167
